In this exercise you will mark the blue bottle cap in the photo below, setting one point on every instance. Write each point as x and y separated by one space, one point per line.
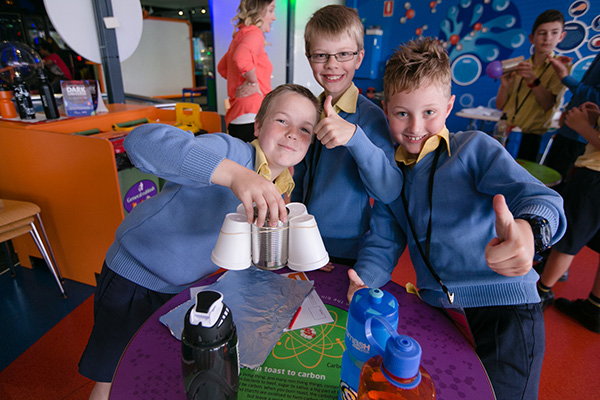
402 358
374 302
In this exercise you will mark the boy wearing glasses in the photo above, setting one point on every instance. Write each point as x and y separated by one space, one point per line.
352 160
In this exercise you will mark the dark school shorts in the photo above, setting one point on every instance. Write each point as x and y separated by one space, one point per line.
120 308
582 198
510 341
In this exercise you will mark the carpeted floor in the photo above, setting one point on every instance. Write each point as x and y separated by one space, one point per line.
48 368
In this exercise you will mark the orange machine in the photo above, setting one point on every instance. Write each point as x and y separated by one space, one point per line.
74 180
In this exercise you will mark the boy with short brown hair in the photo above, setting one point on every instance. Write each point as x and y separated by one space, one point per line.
352 160
531 93
455 212
164 245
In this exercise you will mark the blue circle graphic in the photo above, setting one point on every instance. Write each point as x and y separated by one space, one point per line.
466 69
576 34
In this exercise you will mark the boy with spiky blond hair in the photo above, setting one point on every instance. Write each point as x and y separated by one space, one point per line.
471 217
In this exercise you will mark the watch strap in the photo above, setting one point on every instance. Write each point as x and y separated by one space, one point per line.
535 83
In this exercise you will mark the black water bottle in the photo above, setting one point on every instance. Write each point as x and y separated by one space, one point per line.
47 96
209 350
23 98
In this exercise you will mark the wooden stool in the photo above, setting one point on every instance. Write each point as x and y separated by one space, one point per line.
16 219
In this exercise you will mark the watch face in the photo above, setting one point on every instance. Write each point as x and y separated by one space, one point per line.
545 234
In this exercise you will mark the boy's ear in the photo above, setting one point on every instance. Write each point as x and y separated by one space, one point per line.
531 38
562 36
384 107
256 129
359 58
450 105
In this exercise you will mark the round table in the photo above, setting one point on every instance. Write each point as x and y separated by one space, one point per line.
304 366
546 175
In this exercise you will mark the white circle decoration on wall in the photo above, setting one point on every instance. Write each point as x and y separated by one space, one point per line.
75 21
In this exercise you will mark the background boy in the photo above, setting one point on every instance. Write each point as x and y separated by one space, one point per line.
460 193
164 244
353 159
568 144
583 216
530 94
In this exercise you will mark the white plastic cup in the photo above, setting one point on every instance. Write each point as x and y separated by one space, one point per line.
306 249
232 250
241 209
295 210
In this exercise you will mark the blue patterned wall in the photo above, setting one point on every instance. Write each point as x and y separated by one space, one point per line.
475 33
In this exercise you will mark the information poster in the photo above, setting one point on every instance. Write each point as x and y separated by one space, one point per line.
304 364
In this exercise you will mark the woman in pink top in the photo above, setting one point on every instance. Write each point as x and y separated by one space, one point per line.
246 66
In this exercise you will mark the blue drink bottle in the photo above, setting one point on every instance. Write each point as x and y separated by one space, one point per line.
396 373
366 303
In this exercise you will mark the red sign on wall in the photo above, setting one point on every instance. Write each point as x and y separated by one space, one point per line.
388 8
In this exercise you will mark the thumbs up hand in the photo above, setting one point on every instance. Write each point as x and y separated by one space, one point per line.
511 252
333 131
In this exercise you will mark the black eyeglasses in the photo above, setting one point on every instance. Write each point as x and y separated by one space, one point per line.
322 58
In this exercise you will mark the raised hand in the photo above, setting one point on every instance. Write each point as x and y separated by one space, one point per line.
511 252
333 131
560 65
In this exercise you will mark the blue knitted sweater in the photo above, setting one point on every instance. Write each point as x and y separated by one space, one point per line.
346 177
165 243
463 222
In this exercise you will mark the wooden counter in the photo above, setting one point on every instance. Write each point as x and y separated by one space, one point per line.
74 180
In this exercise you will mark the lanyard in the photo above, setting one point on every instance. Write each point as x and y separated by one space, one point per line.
425 253
312 169
517 105
317 146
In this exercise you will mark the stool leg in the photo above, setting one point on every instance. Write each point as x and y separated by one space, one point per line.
48 245
42 248
9 259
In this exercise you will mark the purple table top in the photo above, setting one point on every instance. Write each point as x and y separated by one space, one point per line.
150 367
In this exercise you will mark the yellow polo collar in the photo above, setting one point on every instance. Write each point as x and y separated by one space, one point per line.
284 182
431 144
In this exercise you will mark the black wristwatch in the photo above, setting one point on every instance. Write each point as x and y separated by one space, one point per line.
542 236
535 83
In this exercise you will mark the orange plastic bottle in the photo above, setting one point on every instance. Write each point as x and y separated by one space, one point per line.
7 107
395 374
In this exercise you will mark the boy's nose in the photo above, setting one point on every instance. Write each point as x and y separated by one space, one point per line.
415 125
292 133
331 60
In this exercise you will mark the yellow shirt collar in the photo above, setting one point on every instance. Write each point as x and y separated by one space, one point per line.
284 182
346 103
430 145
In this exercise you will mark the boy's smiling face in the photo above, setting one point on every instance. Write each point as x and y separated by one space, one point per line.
547 36
286 131
334 76
415 116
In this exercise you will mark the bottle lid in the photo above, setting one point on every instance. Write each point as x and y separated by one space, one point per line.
370 302
402 356
209 321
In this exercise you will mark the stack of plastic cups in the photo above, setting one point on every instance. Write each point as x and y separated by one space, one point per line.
366 303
